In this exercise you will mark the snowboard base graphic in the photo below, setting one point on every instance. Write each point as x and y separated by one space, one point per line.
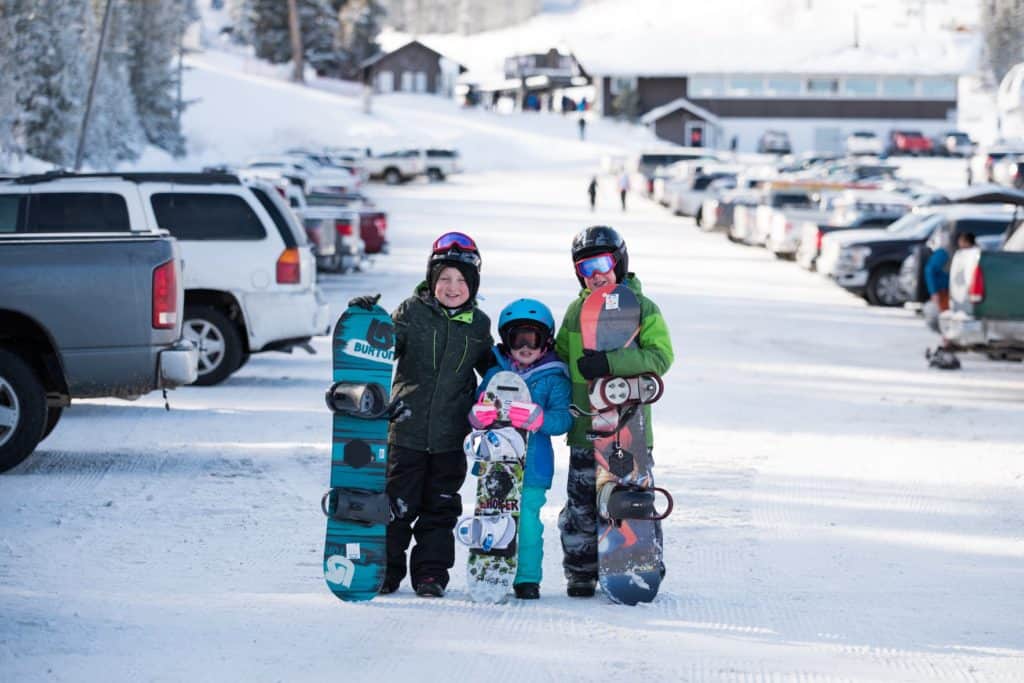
498 456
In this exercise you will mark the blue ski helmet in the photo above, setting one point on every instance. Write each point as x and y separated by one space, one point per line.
526 312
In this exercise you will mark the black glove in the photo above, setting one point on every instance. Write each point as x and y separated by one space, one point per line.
366 301
593 364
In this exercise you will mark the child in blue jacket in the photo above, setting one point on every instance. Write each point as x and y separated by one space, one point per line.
527 331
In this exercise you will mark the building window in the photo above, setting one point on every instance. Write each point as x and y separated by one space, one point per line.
746 86
621 84
406 81
705 86
421 81
860 87
938 88
822 86
784 87
385 81
898 87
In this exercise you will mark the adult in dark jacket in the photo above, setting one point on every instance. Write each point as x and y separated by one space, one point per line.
441 338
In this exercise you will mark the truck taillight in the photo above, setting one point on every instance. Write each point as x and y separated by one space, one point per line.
976 293
288 267
344 227
165 296
381 224
818 239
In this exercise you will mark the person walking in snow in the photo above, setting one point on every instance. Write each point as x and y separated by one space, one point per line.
623 188
527 330
600 258
592 191
441 337
583 127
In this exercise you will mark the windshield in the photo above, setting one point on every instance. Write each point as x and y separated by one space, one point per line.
914 225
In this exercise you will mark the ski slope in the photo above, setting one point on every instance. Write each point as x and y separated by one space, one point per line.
842 514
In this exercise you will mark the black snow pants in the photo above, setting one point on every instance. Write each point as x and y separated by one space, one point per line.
578 519
424 490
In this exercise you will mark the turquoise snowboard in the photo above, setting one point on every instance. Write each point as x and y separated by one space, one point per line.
356 506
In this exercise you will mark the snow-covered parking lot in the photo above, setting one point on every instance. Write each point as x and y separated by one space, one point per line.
842 512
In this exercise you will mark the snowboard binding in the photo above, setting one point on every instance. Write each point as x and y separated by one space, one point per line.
504 444
942 358
611 392
617 502
365 401
356 505
486 533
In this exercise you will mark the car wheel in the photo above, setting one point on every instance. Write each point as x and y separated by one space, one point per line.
884 287
53 414
392 176
218 341
435 174
22 410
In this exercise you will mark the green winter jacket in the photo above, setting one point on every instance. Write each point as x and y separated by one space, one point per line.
436 355
653 353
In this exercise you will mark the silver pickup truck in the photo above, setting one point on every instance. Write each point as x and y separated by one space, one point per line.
82 314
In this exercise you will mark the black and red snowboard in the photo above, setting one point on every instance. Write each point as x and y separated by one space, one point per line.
630 566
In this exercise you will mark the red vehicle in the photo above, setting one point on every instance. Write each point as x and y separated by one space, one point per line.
911 142
373 227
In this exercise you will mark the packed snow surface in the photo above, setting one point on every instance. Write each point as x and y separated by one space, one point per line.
842 512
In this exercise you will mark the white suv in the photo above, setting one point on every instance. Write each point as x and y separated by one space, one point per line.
249 273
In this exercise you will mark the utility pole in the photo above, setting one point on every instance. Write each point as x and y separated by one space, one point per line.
92 86
295 30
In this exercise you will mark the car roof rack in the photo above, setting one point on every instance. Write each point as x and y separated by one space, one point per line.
180 178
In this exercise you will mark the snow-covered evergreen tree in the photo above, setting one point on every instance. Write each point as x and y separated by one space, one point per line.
9 66
1003 30
114 132
360 25
266 23
154 39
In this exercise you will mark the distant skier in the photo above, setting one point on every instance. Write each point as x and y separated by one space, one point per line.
582 123
527 331
600 257
592 191
623 188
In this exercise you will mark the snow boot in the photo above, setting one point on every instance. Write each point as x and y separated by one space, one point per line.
430 588
527 591
580 587
943 359
390 585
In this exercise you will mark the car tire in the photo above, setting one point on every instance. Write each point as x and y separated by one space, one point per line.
22 410
392 176
435 175
53 414
883 287
218 340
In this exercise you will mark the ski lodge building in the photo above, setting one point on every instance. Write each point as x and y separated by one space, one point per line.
721 92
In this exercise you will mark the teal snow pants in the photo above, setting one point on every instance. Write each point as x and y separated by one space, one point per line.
531 540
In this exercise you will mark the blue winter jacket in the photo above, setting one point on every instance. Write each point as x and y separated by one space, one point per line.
936 275
548 380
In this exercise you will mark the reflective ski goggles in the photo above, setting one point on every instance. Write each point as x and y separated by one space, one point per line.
592 265
454 240
525 337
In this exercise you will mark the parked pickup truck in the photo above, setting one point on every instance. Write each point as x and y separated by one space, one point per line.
90 308
986 293
394 167
851 210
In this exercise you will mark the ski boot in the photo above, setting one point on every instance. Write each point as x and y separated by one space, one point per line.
616 502
943 359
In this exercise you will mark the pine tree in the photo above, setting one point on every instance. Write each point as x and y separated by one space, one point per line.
360 25
156 28
11 68
114 132
1003 30
266 23
50 72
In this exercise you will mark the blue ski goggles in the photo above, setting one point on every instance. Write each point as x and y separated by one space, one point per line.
592 265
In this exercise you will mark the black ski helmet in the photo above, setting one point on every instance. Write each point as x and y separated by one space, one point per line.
459 251
601 239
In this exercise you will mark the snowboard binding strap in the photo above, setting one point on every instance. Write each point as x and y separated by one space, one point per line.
365 401
486 532
617 502
357 505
